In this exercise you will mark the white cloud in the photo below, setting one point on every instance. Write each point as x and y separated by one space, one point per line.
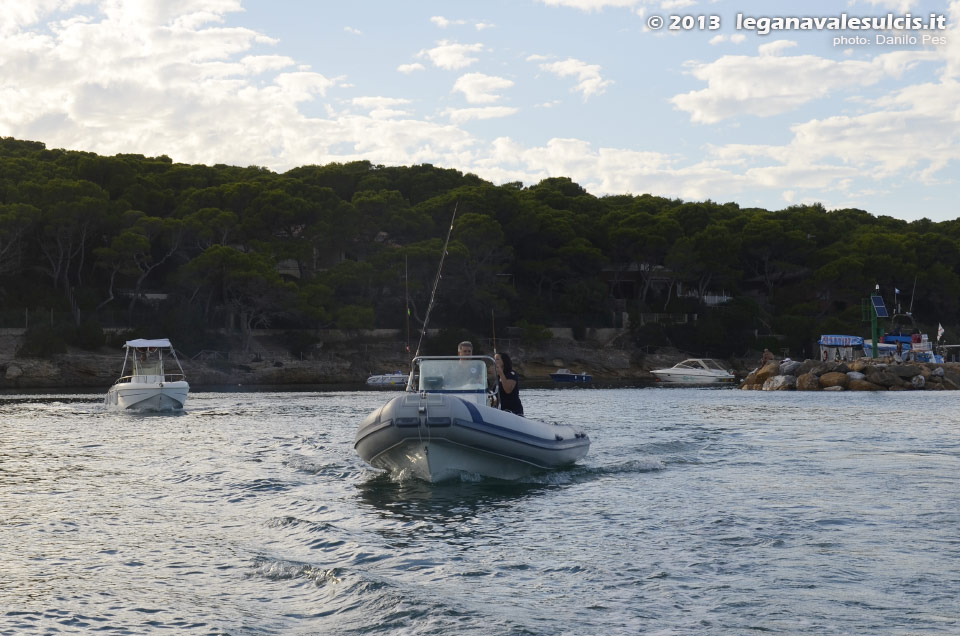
352 30
737 38
382 107
900 6
674 5
591 5
155 77
159 82
378 102
480 26
770 84
951 51
451 55
302 86
461 115
257 64
589 79
443 23
912 135
478 88
775 48
603 170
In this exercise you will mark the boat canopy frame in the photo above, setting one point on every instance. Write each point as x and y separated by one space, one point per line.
143 364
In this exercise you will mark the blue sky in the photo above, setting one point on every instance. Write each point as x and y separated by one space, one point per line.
511 91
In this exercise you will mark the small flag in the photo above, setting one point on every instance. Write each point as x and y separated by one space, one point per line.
896 291
939 331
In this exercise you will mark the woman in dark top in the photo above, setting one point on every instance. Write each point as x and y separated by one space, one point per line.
508 385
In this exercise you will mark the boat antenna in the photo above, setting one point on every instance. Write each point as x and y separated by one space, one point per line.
910 311
436 281
493 322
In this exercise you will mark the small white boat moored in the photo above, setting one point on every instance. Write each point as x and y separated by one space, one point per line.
444 426
148 387
395 380
695 371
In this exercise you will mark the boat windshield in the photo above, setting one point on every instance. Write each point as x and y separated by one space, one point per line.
700 363
713 364
453 375
148 361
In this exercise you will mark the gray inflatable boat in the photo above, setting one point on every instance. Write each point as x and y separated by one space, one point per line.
444 425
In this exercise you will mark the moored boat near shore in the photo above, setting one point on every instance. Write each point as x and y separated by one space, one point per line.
694 372
565 376
395 380
904 339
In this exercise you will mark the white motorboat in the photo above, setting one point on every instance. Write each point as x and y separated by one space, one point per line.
148 386
444 426
395 380
695 371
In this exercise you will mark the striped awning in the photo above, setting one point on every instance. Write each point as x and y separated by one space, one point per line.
841 341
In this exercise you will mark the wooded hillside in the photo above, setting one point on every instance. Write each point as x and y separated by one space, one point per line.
173 249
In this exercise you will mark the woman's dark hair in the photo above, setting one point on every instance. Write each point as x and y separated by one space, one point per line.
507 362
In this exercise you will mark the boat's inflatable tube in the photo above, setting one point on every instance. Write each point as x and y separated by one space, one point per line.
437 436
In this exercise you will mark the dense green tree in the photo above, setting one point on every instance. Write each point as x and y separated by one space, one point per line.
247 285
359 243
16 220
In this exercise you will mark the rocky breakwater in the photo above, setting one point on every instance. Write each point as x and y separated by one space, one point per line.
865 374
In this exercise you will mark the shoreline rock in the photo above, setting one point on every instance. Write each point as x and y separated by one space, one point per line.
341 365
863 374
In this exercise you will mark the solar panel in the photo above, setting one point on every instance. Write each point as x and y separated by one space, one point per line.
879 307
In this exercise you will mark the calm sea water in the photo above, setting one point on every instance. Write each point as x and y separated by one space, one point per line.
695 512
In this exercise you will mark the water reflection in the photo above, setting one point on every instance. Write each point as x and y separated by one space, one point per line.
48 399
416 500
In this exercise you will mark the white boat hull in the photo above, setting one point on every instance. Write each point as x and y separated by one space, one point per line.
684 378
437 437
388 381
147 396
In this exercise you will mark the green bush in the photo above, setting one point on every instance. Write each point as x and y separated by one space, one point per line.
533 334
445 342
300 343
355 317
89 335
44 341
651 334
117 339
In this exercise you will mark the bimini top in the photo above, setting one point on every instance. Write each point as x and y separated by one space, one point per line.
840 341
143 342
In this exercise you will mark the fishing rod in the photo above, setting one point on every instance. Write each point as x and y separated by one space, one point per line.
436 281
910 311
406 298
493 323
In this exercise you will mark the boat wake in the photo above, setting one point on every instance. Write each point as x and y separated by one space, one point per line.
280 570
